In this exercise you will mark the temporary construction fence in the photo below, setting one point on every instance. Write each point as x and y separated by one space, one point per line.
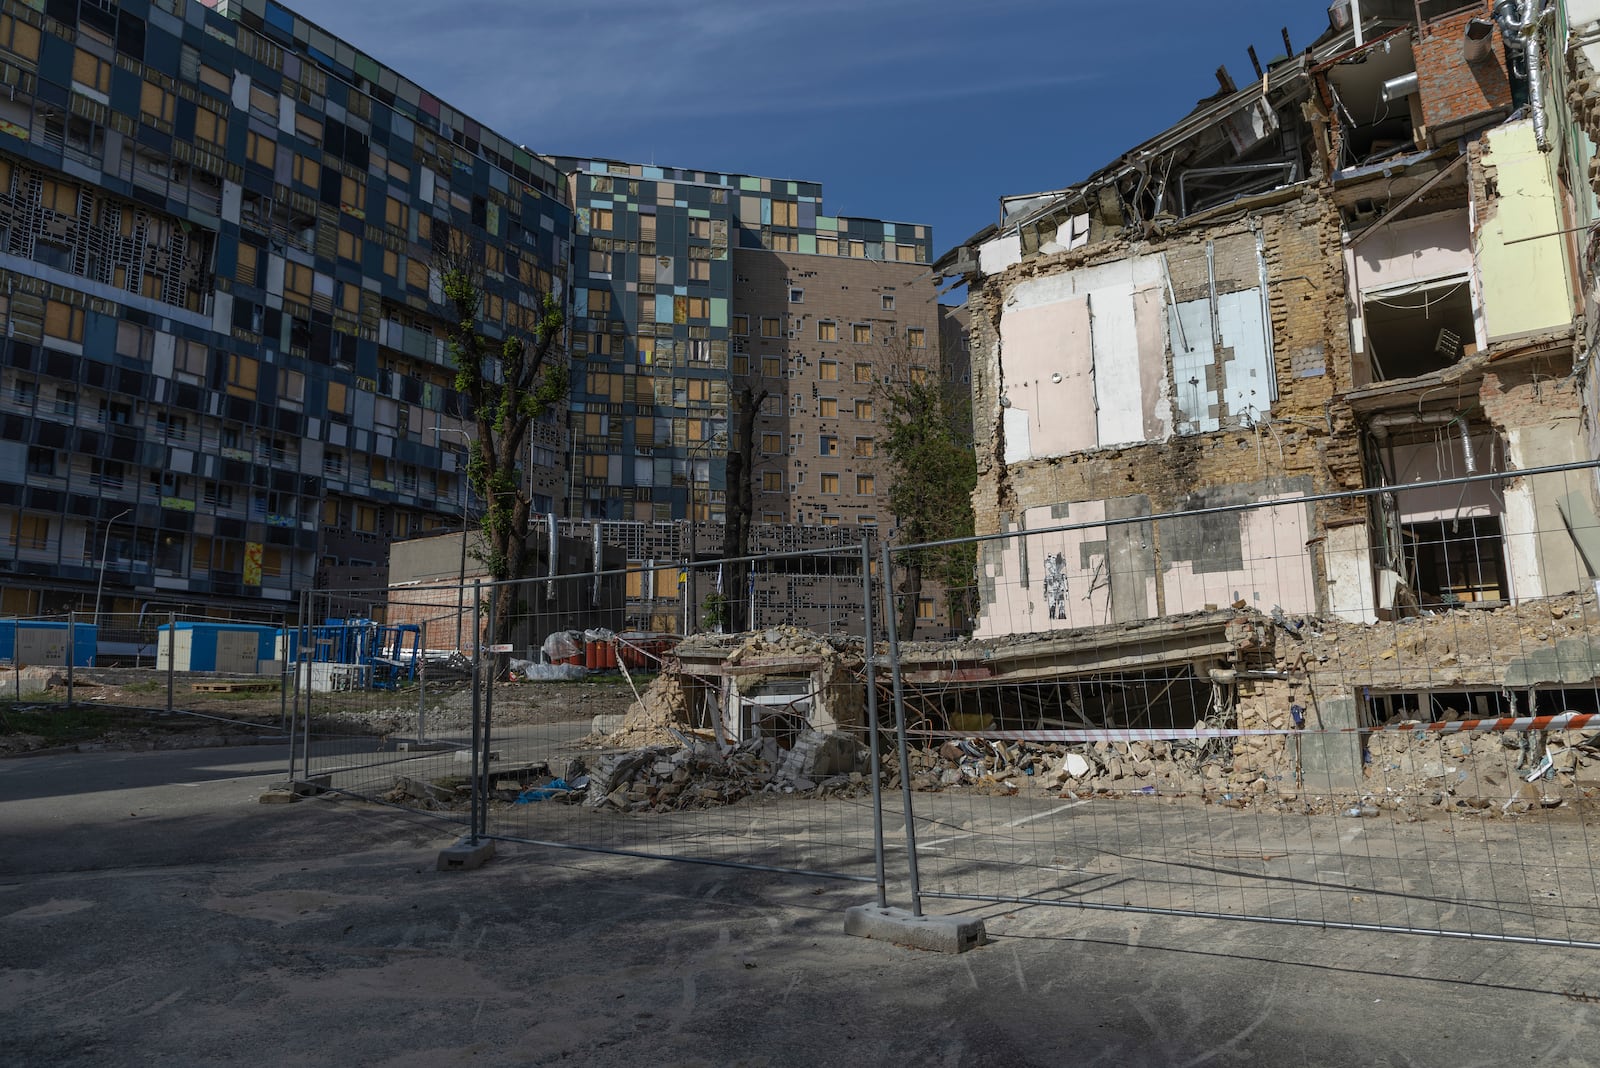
1190 714
466 734
1195 714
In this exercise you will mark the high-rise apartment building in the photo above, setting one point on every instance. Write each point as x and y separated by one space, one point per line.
223 360
690 286
224 373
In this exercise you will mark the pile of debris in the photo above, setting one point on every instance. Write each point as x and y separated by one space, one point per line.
693 773
658 718
1512 771
996 767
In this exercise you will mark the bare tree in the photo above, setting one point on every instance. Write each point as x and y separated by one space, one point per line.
740 506
510 384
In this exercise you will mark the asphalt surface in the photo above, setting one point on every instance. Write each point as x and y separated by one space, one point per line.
151 912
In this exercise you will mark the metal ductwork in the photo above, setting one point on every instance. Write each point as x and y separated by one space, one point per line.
1475 46
1397 88
1519 28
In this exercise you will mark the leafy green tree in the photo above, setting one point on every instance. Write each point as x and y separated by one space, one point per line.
510 384
932 471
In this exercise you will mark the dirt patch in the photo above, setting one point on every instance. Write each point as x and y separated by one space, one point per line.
126 708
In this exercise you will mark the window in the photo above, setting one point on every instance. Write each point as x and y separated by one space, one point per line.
830 483
828 407
772 481
41 461
24 392
67 403
31 532
828 371
349 246
600 218
92 71
785 213
771 367
863 372
333 462
865 485
63 321
827 330
210 127
353 196
291 386
830 520
916 337
262 150
797 296
828 445
155 103
107 474
769 326
866 447
925 608
242 371
172 427
772 444
864 409
919 375
741 325
827 246
741 364
113 414
338 402
18 37
217 494
888 302
861 333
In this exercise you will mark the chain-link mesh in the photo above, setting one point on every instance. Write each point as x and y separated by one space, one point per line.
1260 713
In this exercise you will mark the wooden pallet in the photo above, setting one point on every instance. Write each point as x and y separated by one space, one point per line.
234 687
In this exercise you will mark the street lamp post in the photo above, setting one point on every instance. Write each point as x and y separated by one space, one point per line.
105 548
461 580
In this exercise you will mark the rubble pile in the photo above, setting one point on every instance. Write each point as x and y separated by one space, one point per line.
657 718
1528 642
1482 770
995 767
699 775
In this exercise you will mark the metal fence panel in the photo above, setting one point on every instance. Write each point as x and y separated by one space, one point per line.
1275 711
745 749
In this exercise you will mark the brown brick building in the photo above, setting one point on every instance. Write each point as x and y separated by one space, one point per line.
1353 273
818 335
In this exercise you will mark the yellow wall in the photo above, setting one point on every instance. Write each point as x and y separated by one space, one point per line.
1525 284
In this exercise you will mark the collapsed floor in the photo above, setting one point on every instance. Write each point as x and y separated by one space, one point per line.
783 712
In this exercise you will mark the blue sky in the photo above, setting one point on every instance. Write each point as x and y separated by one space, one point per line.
924 111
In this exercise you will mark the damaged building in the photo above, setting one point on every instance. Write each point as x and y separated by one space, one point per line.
1363 270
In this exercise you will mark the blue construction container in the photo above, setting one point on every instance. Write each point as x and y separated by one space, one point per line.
45 642
235 648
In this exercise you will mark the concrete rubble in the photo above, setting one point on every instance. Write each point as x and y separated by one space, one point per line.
700 775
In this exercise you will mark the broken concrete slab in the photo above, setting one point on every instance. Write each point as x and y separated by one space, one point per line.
939 934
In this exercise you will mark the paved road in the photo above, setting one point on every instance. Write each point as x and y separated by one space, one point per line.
208 929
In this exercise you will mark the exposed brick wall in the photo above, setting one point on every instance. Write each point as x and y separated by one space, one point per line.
1453 90
1310 434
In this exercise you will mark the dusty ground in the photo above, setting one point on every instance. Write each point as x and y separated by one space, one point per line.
126 708
146 923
